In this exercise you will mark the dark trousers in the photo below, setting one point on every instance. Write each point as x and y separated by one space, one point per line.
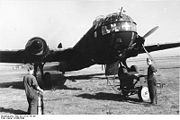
33 103
152 90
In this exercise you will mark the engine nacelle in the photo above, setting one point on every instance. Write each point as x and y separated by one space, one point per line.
36 50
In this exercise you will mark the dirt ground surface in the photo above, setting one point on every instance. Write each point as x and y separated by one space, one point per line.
87 93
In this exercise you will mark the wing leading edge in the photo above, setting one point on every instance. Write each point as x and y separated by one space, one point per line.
157 47
12 56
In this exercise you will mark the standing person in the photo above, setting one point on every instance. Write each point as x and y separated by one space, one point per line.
151 80
32 90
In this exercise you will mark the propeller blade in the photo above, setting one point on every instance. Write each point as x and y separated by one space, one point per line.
146 35
148 53
150 32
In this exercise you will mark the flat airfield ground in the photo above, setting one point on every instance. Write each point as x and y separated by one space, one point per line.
87 94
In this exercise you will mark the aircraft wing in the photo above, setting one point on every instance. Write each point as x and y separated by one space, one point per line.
20 56
69 59
157 47
8 56
59 55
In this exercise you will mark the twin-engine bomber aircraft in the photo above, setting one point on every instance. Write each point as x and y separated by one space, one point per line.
111 39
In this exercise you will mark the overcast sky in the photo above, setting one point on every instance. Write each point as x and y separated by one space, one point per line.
67 21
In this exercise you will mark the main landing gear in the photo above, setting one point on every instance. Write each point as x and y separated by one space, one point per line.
129 83
40 66
49 79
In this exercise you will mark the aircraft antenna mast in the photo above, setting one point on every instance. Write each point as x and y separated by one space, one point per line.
121 11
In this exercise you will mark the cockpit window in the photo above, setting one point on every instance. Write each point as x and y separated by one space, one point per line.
114 22
118 26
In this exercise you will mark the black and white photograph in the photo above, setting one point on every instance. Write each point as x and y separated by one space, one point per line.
89 57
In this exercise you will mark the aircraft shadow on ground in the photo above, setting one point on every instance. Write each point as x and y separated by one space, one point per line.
63 87
16 85
56 81
69 88
82 77
110 96
12 111
20 85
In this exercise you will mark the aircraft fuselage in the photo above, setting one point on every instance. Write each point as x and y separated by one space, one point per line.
104 42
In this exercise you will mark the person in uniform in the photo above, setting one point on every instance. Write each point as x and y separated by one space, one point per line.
151 80
32 90
127 78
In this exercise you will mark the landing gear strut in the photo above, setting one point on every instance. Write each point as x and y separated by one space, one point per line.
40 65
45 78
123 63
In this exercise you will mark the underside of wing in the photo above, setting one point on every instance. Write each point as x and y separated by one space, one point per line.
59 55
69 59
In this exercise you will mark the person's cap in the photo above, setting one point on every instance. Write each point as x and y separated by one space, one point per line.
30 67
148 59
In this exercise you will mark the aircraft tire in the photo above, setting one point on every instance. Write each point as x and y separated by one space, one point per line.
47 80
62 79
143 93
134 68
124 94
47 76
